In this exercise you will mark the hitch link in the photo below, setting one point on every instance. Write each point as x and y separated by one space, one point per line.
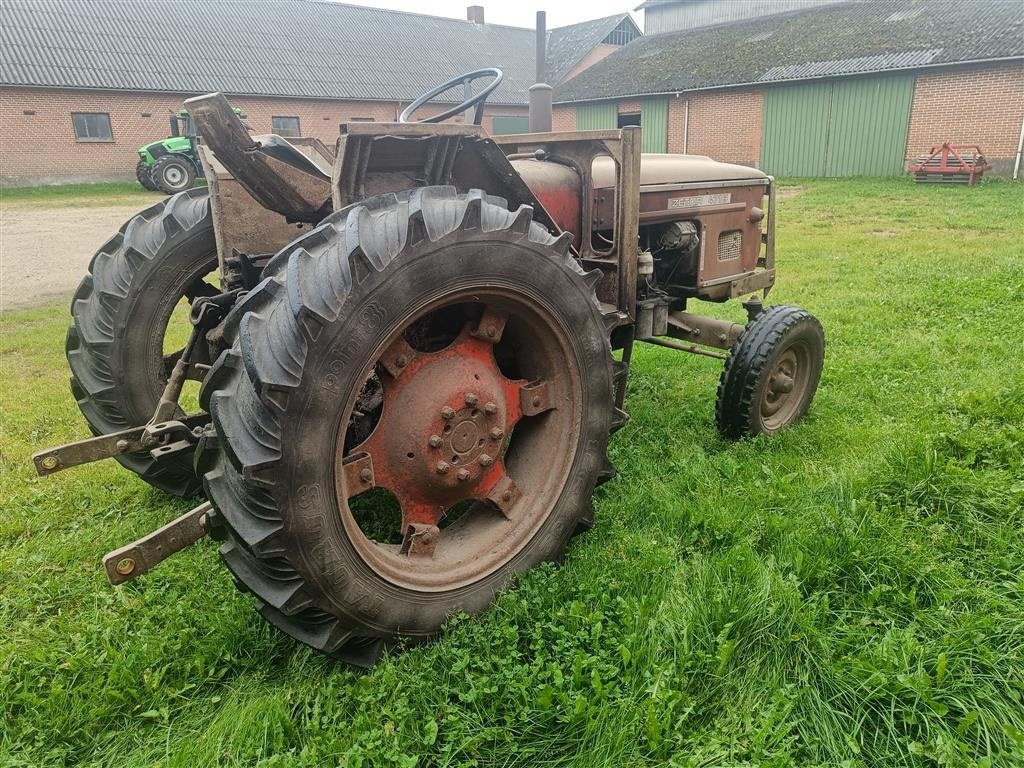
134 559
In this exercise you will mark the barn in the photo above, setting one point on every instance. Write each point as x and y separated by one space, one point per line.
814 87
84 83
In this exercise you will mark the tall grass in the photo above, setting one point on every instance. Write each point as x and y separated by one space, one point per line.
848 594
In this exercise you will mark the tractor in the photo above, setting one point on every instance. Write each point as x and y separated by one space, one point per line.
171 165
412 349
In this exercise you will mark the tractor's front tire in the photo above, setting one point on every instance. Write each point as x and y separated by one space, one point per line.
143 173
431 343
771 373
173 174
121 311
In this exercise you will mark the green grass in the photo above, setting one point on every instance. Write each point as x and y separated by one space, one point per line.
81 195
848 594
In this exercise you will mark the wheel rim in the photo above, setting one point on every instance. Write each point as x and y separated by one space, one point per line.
174 175
474 439
786 386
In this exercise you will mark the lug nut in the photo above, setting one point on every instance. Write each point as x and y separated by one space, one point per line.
463 475
485 460
497 433
471 399
536 402
443 467
401 361
434 441
490 409
506 496
447 413
365 475
490 331
125 566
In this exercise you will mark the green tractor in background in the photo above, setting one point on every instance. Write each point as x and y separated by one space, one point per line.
171 165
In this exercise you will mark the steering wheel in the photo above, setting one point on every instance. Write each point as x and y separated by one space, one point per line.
466 81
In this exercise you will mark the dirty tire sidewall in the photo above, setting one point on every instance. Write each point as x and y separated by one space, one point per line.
309 567
120 310
750 362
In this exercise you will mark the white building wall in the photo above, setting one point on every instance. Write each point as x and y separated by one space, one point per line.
690 14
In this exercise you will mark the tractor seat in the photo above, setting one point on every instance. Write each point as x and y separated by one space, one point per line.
281 149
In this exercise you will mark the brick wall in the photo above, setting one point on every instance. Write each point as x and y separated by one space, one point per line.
977 106
563 117
724 125
41 148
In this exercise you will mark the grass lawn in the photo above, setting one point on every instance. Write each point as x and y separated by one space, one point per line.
848 594
81 195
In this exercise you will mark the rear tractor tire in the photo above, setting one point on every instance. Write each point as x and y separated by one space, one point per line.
173 174
121 313
771 373
144 174
433 346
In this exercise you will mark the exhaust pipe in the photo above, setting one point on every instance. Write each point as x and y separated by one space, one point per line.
540 92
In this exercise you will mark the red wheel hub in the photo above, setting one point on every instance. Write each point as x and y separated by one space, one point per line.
443 430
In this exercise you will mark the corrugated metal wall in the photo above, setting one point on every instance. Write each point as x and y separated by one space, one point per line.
794 133
597 117
508 124
654 125
869 126
849 127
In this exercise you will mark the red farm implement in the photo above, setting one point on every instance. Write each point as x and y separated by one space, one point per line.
951 164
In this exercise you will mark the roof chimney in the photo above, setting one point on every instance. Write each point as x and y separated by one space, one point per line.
475 13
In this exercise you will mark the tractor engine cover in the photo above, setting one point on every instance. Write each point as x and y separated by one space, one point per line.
557 187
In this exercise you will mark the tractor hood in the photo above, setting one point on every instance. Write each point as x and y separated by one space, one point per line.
675 169
163 146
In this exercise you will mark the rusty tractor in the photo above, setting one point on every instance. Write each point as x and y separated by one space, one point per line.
413 348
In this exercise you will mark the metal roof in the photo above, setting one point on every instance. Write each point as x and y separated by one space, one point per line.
302 48
835 40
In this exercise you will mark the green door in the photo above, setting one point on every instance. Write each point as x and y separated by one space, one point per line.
598 116
850 127
869 126
508 124
654 125
795 131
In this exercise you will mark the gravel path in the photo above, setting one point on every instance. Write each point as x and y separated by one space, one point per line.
45 251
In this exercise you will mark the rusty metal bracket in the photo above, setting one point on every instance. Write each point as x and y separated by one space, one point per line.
420 540
491 326
504 495
535 398
358 470
133 560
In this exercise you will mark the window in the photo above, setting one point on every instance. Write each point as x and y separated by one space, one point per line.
92 126
285 126
626 120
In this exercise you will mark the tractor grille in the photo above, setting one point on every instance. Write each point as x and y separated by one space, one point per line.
729 245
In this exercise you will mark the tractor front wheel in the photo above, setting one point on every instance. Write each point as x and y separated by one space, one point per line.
414 409
173 174
771 373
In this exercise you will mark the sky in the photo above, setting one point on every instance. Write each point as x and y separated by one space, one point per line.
516 14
